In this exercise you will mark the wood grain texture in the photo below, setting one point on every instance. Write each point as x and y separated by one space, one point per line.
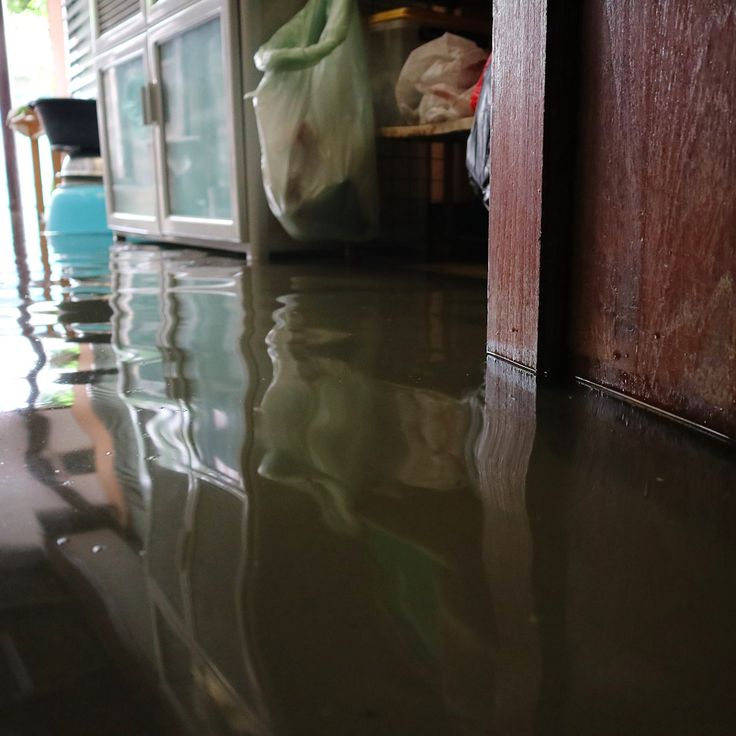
519 33
654 306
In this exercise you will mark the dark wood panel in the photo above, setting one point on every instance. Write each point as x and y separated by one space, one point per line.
519 30
654 306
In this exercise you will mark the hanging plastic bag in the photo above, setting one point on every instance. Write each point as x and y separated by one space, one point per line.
436 82
315 123
476 154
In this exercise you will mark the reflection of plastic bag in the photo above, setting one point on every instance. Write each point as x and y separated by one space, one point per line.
476 155
315 123
436 81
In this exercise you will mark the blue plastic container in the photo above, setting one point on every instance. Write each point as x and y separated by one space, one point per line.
77 208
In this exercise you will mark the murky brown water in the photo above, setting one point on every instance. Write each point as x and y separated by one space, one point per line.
294 499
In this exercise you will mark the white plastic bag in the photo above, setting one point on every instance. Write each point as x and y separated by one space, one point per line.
315 124
437 80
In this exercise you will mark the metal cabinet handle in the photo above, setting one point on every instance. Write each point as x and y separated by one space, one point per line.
146 105
149 105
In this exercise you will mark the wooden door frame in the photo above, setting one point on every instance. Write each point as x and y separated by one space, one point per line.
532 165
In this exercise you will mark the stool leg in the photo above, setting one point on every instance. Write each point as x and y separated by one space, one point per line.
38 183
56 158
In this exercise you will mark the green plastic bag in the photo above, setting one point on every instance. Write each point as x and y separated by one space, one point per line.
315 123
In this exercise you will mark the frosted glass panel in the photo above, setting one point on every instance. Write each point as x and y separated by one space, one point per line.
195 123
129 141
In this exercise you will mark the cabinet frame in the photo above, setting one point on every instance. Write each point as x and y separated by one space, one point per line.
159 10
124 31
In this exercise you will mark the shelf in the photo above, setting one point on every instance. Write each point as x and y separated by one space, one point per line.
429 18
452 128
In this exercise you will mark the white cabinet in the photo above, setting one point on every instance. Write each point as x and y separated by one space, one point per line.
182 159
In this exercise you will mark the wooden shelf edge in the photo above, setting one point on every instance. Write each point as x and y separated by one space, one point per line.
429 130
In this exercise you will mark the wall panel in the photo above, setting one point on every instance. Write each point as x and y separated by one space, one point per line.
654 303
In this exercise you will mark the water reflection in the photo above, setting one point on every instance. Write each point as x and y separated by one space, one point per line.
43 313
333 429
177 332
219 428
295 506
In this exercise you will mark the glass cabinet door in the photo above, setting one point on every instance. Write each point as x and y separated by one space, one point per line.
196 131
127 139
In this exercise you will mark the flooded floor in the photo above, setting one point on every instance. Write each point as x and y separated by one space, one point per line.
296 499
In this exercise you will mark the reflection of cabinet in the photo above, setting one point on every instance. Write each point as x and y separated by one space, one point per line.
207 638
179 143
177 331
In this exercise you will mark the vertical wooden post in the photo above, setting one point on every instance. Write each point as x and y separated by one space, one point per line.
56 159
516 179
37 181
532 163
11 159
57 37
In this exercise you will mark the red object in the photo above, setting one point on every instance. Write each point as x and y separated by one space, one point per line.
476 90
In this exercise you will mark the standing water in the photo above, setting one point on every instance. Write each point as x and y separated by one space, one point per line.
295 499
